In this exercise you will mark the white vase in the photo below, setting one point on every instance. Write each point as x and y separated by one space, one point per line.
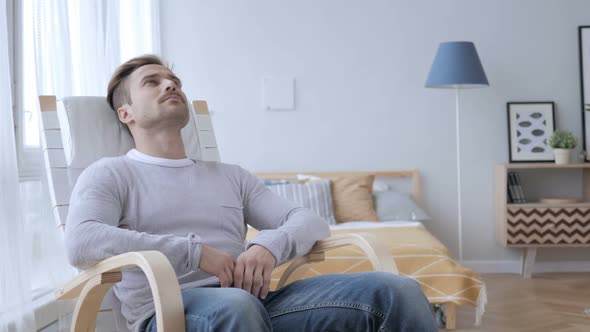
562 156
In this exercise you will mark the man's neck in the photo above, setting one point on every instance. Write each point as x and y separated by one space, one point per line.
162 145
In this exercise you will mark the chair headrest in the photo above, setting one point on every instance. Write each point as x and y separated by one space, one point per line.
90 130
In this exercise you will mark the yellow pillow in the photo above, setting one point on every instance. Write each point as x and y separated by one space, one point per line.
353 198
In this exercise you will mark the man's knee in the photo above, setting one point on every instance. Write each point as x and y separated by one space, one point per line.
242 302
233 308
400 288
396 283
404 296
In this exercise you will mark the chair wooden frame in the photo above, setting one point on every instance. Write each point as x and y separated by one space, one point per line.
91 285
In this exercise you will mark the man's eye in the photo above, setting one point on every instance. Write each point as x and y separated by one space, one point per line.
151 82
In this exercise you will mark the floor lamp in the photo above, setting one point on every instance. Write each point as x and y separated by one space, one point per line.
457 66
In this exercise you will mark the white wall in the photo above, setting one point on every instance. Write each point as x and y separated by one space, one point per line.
360 68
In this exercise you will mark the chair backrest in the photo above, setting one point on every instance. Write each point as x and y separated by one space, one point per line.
76 131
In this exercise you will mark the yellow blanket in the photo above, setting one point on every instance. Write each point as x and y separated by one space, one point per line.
417 254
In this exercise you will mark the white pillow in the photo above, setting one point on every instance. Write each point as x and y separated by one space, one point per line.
305 177
90 130
380 186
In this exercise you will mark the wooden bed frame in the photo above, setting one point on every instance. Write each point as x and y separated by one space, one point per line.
413 175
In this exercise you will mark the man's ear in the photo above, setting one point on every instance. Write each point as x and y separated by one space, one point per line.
125 114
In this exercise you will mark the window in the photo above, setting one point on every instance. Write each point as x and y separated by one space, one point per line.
37 215
135 32
134 22
26 116
30 122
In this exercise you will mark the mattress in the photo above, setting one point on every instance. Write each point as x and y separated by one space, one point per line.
417 254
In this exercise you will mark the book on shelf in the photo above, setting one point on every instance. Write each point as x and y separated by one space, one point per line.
519 188
516 194
511 192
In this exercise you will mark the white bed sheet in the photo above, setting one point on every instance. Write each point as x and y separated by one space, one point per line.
376 224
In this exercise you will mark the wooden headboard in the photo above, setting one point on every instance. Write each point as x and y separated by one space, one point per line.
413 174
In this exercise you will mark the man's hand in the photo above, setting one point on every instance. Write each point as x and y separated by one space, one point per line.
253 269
217 263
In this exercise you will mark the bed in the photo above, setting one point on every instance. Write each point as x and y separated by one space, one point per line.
417 253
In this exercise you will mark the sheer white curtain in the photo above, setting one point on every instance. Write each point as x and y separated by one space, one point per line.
76 44
15 305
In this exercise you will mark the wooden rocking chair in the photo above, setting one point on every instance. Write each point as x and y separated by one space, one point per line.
76 131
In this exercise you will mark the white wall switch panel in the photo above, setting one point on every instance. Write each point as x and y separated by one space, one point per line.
278 93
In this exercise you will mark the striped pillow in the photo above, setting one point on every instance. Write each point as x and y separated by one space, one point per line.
315 196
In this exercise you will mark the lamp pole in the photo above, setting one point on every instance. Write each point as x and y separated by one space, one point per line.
459 210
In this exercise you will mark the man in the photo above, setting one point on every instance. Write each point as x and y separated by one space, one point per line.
195 213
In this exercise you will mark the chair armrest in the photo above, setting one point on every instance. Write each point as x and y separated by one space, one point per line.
161 277
378 254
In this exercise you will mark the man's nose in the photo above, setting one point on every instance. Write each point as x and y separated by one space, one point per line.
170 85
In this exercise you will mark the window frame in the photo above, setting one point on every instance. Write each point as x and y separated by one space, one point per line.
31 163
30 159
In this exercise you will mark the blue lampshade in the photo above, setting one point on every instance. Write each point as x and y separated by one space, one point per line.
456 65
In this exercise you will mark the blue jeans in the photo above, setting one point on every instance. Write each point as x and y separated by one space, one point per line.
372 301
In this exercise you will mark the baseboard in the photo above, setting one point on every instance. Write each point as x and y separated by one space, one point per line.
490 266
565 266
45 310
512 266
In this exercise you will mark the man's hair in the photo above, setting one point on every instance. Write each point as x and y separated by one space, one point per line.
118 92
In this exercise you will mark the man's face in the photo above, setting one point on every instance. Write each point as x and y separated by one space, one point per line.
157 100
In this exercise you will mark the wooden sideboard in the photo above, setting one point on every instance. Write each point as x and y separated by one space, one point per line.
541 225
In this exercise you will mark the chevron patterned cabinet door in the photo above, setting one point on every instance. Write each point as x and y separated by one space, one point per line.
548 225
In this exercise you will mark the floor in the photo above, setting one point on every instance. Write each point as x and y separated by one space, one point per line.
548 302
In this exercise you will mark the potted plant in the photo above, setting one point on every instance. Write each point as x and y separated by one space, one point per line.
562 142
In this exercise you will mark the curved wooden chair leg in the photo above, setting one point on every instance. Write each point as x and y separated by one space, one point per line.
91 285
88 305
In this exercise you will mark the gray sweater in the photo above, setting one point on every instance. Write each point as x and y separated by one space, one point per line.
137 202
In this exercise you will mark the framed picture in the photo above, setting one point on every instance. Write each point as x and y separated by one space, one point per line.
584 45
529 126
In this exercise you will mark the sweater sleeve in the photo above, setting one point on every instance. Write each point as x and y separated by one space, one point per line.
92 228
286 229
